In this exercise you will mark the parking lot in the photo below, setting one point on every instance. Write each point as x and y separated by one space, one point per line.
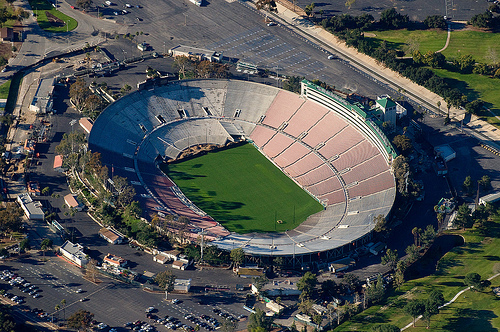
112 303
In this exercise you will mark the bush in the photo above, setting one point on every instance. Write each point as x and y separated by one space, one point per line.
435 22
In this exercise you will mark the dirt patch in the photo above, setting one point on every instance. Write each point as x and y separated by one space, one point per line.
54 21
369 34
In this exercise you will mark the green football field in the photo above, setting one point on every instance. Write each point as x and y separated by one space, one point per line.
243 190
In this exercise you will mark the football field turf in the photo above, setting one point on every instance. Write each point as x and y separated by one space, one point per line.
243 190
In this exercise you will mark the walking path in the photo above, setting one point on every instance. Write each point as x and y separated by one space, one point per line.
482 130
450 302
447 39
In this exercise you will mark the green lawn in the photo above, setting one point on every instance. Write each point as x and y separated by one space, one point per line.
473 311
40 7
424 40
4 90
476 86
483 46
243 190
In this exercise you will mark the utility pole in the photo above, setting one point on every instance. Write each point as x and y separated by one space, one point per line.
202 243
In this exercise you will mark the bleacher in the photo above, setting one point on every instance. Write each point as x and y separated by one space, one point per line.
321 142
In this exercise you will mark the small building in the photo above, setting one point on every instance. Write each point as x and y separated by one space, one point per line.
341 265
33 188
32 210
58 164
114 260
179 265
86 124
142 47
74 253
182 285
388 108
446 152
111 235
162 259
172 254
249 271
275 307
6 34
72 202
29 146
491 198
42 101
279 288
195 53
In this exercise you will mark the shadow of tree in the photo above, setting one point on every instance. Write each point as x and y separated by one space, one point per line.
471 320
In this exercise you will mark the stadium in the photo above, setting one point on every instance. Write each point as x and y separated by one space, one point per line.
324 144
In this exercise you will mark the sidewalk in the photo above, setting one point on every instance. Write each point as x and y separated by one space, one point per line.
330 42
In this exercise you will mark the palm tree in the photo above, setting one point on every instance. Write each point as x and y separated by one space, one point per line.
46 245
414 231
63 304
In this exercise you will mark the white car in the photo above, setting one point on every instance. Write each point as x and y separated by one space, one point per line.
150 309
127 5
102 326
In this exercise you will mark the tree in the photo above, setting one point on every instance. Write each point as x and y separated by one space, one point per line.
24 245
307 284
269 5
467 185
305 306
260 282
45 245
352 281
91 104
228 326
380 224
328 289
166 280
385 328
391 19
125 89
428 235
7 322
463 218
431 306
416 233
403 144
46 191
473 280
435 22
78 92
465 63
84 4
10 218
310 8
485 182
375 293
413 252
390 258
414 308
349 3
475 106
91 270
258 321
237 256
399 276
81 320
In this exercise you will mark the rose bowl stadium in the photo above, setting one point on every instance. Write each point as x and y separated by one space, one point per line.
328 147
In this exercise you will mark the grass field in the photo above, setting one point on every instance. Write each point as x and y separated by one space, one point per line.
476 86
483 46
4 90
42 6
473 311
243 190
424 40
